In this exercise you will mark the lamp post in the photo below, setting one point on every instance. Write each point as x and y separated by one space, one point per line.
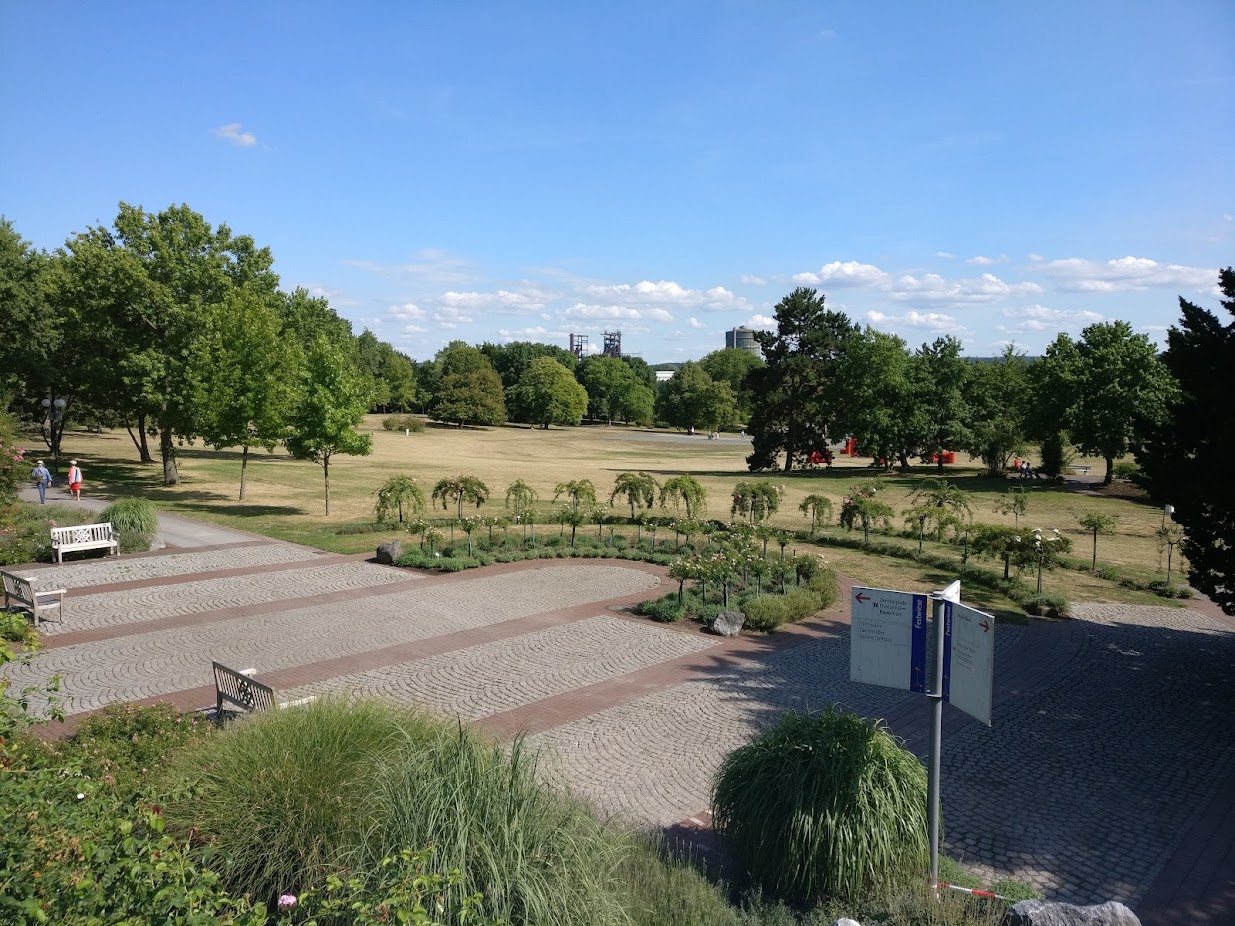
54 412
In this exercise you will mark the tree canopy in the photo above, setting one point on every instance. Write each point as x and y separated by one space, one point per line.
547 394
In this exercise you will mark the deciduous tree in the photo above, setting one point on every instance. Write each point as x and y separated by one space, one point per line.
547 394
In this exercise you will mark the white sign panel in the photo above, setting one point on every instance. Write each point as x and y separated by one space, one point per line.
969 660
887 644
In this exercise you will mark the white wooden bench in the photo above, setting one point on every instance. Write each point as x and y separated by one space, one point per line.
83 537
240 690
1081 468
39 603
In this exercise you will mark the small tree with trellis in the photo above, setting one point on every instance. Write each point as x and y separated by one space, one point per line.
863 509
579 491
1014 502
755 501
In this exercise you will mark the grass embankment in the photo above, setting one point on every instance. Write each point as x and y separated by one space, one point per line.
285 498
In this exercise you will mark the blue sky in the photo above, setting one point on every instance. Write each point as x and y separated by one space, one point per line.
498 171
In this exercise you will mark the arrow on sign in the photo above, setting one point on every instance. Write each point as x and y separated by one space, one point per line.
860 598
985 626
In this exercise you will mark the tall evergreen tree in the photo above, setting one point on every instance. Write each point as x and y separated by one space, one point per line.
1186 455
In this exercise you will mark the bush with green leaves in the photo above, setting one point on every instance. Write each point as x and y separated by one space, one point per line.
824 804
16 627
28 537
131 514
403 423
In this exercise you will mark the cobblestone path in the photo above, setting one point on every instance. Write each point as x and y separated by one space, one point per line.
1111 760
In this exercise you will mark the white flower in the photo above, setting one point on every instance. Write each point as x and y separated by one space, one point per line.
80 796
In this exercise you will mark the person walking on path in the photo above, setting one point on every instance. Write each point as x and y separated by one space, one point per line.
74 480
42 478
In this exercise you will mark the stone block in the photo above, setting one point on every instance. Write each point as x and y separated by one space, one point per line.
728 623
1049 913
388 553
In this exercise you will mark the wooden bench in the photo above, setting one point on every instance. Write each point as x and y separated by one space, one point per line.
39 603
83 537
1082 468
242 691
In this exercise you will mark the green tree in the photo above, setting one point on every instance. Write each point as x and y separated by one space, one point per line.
755 501
399 494
459 489
1014 502
520 496
511 361
30 330
332 401
684 491
245 377
793 406
862 508
1123 383
940 387
548 394
875 396
692 399
998 397
1096 524
731 366
1186 455
950 503
579 491
818 507
639 489
466 389
185 265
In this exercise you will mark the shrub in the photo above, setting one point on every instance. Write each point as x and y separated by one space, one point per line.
134 541
824 804
131 514
1048 605
1126 469
28 539
403 423
765 614
15 627
666 609
129 738
1108 573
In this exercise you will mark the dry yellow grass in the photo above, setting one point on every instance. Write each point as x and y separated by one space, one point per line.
285 498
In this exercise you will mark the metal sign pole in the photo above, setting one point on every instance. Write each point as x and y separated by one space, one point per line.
936 746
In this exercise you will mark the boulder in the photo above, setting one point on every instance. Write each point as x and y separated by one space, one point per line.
1049 913
388 553
845 921
728 623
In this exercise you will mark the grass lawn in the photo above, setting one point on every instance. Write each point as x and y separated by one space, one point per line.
285 498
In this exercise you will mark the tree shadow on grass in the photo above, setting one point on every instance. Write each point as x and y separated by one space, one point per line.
240 509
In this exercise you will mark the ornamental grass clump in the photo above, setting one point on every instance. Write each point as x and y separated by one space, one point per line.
134 515
824 805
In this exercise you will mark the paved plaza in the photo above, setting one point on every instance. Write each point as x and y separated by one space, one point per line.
1108 773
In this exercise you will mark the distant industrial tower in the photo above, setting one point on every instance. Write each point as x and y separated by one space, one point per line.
613 344
578 345
743 339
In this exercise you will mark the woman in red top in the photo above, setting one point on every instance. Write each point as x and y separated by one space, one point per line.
74 480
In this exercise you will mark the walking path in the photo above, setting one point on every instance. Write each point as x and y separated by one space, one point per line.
1108 774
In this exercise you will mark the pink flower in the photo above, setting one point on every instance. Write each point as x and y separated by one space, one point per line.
287 901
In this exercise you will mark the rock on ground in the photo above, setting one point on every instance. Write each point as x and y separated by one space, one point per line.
1048 913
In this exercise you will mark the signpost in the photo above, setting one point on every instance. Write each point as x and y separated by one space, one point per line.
888 642
888 647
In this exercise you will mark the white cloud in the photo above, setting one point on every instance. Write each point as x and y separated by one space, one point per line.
501 300
931 287
451 317
667 292
946 255
1035 258
984 261
695 323
232 133
847 273
580 310
1227 217
431 266
533 333
1125 274
929 321
414 329
1041 318
407 310
761 322
750 279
